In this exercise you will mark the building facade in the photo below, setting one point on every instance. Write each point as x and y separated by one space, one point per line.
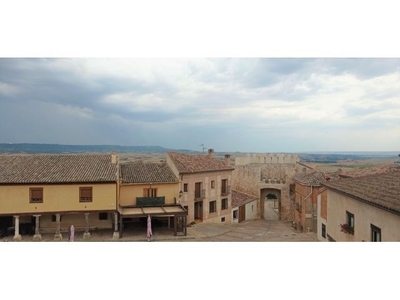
361 209
205 186
48 193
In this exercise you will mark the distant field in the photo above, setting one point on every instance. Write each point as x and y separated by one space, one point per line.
349 165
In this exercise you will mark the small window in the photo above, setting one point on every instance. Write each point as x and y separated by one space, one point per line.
85 194
375 234
235 214
350 222
36 195
224 204
212 184
185 187
223 219
103 216
213 206
149 192
324 231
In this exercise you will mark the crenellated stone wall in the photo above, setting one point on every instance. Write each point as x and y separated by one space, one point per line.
254 174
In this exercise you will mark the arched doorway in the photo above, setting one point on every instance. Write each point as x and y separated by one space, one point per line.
271 200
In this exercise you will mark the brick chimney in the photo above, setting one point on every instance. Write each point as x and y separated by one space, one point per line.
227 160
210 152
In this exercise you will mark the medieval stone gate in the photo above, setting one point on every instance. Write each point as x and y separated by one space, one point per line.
261 175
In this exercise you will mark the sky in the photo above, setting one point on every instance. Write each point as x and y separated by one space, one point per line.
254 78
228 104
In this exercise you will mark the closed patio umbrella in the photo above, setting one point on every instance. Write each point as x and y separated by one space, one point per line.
149 232
71 233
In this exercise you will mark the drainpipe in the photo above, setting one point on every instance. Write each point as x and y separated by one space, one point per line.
311 205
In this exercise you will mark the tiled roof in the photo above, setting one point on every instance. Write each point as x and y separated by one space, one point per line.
382 190
313 178
239 198
140 172
186 163
56 168
371 171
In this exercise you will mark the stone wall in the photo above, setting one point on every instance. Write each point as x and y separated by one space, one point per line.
257 172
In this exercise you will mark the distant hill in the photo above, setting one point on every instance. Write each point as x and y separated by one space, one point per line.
318 157
57 148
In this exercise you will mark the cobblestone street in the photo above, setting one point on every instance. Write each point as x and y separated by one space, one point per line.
249 231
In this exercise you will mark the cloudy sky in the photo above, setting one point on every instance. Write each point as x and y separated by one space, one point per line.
229 104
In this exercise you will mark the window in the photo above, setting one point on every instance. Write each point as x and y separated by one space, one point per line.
103 216
212 184
213 206
324 231
223 219
185 187
224 204
235 214
350 220
198 192
85 194
375 234
36 195
150 192
224 187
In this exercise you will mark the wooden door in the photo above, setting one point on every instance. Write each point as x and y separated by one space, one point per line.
242 213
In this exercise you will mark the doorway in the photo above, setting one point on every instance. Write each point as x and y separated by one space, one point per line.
198 211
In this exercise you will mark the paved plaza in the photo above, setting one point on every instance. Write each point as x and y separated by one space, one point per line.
248 231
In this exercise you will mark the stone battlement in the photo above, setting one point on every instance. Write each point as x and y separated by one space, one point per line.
267 158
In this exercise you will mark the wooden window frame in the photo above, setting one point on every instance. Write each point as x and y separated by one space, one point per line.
150 192
225 200
36 199
375 229
185 187
213 204
86 198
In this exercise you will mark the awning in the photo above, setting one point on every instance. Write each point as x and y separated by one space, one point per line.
164 210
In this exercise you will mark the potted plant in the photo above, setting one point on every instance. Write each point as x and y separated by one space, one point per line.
346 228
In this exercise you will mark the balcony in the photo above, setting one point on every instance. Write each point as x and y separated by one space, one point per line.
225 191
199 194
150 201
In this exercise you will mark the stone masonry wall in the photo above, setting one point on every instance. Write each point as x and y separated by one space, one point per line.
256 172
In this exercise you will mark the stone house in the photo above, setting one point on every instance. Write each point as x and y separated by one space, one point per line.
50 192
359 209
205 185
149 189
308 185
244 207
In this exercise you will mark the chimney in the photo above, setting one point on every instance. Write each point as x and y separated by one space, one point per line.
210 152
114 158
227 160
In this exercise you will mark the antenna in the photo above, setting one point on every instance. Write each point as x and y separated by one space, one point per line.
202 145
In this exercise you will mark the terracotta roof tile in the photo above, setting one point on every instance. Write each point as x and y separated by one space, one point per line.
382 190
186 163
315 177
371 171
140 172
239 198
56 168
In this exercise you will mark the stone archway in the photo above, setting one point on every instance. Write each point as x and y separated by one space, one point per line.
271 201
